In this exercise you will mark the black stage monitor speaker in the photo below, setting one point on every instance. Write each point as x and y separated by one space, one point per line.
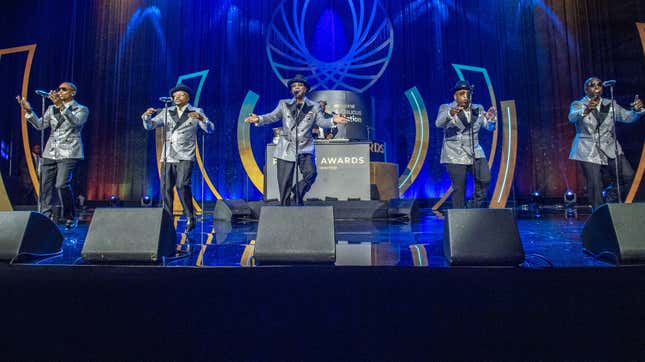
129 235
232 209
482 237
27 232
616 230
298 234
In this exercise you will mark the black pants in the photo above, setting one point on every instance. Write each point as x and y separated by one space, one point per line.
285 178
57 174
594 173
179 174
458 178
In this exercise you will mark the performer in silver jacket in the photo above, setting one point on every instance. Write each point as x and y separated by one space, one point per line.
178 152
593 147
64 148
298 114
461 122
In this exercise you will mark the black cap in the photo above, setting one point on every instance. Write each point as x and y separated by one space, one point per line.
181 87
462 85
298 78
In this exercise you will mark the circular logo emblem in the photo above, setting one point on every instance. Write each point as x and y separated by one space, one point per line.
366 54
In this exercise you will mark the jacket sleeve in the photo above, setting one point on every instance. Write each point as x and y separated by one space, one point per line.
272 117
576 111
488 124
77 116
625 116
151 122
444 119
36 122
206 125
323 120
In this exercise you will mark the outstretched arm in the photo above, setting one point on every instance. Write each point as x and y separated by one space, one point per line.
204 123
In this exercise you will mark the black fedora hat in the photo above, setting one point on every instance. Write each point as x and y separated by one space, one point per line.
462 85
298 78
181 87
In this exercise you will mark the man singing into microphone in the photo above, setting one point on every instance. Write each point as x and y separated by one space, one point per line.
63 150
183 121
298 116
593 147
461 122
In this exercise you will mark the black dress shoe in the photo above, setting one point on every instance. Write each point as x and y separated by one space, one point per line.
190 224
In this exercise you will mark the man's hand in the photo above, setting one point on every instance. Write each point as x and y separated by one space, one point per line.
637 104
196 115
491 113
149 112
53 96
455 110
24 104
339 119
252 118
592 104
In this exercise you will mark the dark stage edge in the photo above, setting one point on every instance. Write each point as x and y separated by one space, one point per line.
321 313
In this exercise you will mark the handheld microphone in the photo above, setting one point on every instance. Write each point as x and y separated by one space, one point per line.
165 99
609 83
42 93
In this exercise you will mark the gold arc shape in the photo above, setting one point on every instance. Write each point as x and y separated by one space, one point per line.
638 177
5 203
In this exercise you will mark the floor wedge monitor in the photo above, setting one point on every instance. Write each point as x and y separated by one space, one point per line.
482 237
616 232
27 233
294 235
129 235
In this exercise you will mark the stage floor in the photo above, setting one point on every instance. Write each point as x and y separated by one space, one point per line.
551 240
208 306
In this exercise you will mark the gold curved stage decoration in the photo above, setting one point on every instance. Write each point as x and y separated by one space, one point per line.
177 208
638 177
244 142
459 68
420 140
509 156
5 203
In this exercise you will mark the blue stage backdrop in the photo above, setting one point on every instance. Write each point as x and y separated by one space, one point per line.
124 54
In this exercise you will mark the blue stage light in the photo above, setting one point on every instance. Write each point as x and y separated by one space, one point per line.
114 201
537 203
146 201
570 204
570 197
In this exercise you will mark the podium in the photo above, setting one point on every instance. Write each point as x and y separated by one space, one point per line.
345 172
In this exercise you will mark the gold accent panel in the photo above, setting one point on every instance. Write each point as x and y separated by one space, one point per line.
5 204
509 155
385 175
421 139
31 50
244 142
638 177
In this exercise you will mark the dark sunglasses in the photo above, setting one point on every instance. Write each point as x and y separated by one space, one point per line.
594 84
64 89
